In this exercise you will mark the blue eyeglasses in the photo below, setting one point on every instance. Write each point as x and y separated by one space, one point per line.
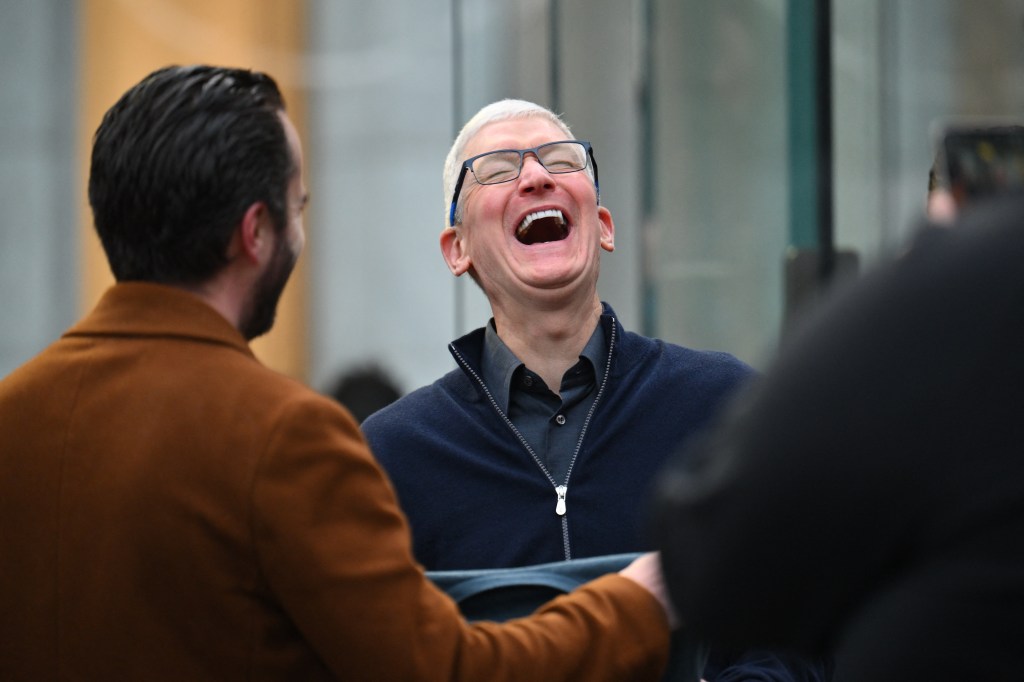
505 165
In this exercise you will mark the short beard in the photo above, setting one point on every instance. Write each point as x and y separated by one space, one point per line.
258 317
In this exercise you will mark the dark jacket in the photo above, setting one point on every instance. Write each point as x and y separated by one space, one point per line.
476 496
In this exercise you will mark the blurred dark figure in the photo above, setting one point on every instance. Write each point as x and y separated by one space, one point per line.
866 496
364 390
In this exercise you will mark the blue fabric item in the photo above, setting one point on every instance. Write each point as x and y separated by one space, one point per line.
502 594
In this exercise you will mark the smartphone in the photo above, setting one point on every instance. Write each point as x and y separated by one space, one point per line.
980 159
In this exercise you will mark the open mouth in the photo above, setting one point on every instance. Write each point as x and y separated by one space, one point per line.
543 226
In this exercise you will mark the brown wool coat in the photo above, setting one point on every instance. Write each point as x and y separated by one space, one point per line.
172 509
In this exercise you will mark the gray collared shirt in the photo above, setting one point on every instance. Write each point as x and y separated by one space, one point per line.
551 423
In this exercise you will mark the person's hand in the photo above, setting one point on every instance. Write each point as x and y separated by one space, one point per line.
941 207
646 571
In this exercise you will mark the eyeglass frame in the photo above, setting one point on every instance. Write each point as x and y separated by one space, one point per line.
467 166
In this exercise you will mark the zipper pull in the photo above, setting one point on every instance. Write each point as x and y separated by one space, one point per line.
560 507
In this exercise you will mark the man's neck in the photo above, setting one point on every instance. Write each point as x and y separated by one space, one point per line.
549 342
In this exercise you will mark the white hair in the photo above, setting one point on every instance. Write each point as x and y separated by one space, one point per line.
502 110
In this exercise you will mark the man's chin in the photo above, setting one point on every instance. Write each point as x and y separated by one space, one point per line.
262 312
259 319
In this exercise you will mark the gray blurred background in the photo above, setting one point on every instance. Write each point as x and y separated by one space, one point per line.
696 110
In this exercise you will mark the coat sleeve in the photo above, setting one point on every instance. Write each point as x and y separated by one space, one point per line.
336 552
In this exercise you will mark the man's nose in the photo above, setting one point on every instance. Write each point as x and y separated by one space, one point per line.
534 175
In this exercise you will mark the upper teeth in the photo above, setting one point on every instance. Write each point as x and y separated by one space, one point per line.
537 215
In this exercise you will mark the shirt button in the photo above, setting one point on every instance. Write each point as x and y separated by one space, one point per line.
527 380
560 420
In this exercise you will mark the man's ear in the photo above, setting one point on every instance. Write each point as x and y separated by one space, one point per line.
453 248
253 236
607 229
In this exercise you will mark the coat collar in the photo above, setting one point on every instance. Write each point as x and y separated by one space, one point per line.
142 309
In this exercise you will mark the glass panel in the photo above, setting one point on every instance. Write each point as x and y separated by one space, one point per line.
717 235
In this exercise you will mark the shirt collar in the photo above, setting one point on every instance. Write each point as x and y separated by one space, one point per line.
500 364
596 351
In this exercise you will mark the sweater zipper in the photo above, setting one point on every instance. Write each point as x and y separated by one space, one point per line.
561 491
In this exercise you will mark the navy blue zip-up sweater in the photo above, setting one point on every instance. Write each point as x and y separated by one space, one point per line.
477 497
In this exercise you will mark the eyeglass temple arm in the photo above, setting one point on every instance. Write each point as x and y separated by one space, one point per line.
455 195
597 185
